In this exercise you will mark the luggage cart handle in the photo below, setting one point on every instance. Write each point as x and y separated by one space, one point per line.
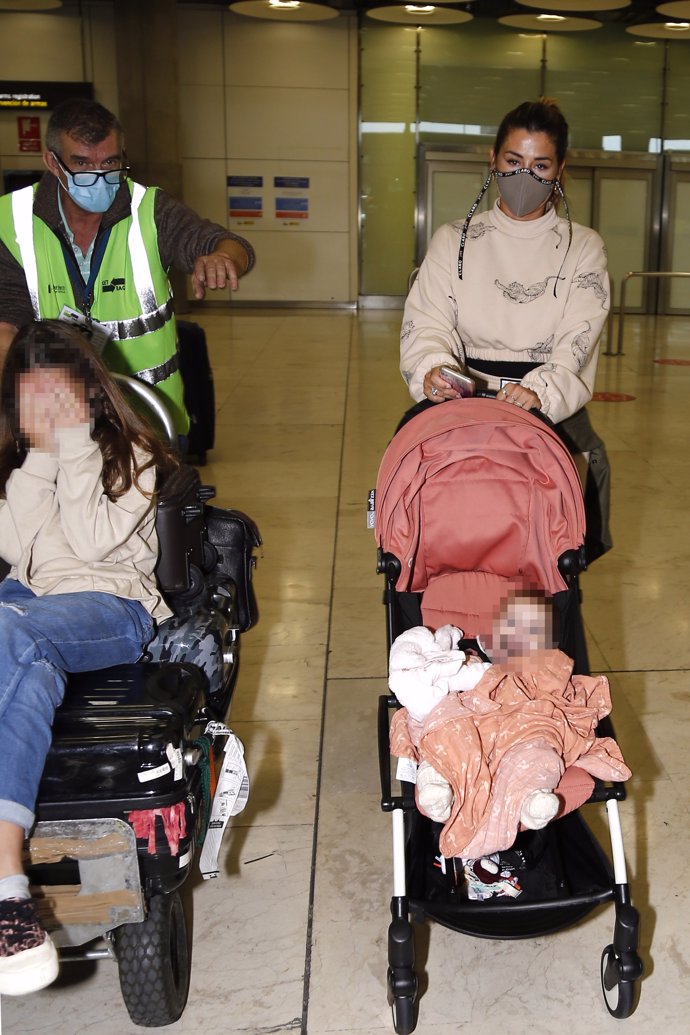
152 400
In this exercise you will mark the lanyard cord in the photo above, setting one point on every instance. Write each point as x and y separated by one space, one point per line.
463 234
561 192
83 292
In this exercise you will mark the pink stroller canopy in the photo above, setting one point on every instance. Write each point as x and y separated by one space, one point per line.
479 489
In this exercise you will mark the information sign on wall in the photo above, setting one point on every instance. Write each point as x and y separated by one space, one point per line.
292 198
245 204
41 94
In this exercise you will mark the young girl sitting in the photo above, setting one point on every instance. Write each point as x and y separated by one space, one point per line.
78 473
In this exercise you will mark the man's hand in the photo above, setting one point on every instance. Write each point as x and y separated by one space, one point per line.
214 271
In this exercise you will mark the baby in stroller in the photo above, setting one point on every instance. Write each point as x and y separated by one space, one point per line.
519 748
418 671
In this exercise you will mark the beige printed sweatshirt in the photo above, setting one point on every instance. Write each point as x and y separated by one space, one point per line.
505 307
62 534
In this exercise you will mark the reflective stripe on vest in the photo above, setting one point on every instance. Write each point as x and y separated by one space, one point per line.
23 216
156 374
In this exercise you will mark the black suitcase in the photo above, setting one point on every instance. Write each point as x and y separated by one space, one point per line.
199 394
114 736
120 746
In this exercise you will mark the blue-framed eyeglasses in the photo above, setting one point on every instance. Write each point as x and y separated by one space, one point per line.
88 179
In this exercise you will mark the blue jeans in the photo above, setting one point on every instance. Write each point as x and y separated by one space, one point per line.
42 639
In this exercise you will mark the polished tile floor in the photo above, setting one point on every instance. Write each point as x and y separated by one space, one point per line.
292 936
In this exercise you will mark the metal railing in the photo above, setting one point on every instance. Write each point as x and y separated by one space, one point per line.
621 308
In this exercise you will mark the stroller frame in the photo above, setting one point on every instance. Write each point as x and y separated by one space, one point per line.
503 918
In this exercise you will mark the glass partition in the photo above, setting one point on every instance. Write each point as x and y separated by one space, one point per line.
470 75
608 85
677 289
677 96
387 158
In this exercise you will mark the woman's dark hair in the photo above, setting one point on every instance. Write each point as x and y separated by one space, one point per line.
542 116
116 426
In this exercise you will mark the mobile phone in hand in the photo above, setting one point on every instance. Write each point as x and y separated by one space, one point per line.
460 382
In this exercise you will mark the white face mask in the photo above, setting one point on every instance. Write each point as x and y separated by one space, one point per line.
523 191
96 198
98 192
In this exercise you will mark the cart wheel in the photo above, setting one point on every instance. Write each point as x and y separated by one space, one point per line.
619 994
404 1015
154 963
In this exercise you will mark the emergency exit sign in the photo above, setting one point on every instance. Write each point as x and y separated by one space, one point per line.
29 133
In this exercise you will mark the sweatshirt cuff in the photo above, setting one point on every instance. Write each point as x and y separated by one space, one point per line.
40 465
73 441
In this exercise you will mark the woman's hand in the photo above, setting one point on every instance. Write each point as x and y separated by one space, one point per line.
48 400
436 388
525 398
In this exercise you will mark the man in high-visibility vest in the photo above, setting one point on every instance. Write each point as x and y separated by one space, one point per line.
89 245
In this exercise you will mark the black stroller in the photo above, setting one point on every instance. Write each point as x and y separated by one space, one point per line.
127 790
473 496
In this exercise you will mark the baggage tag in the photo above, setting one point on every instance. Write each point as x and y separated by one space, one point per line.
232 794
371 509
97 334
174 756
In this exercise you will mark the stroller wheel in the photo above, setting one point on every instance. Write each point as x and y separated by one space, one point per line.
402 980
619 993
404 1015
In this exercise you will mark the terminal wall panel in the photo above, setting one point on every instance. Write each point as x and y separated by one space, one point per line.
304 55
304 267
288 122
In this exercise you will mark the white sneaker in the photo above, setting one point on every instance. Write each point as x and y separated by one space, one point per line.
28 957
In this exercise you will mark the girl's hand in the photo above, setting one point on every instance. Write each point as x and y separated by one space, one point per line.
48 400
436 388
519 396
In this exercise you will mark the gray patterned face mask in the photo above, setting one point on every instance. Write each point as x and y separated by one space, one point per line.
514 199
523 191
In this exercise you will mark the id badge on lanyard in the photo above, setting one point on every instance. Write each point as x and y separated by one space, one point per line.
97 334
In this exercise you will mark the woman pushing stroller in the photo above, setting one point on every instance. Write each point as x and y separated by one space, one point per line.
518 296
78 471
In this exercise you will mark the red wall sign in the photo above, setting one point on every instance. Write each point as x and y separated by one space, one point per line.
29 132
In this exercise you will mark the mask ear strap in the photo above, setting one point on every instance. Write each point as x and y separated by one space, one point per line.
463 234
561 193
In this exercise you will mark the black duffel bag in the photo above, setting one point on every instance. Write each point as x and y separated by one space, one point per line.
235 537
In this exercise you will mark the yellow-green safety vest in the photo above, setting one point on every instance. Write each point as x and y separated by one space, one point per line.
132 298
